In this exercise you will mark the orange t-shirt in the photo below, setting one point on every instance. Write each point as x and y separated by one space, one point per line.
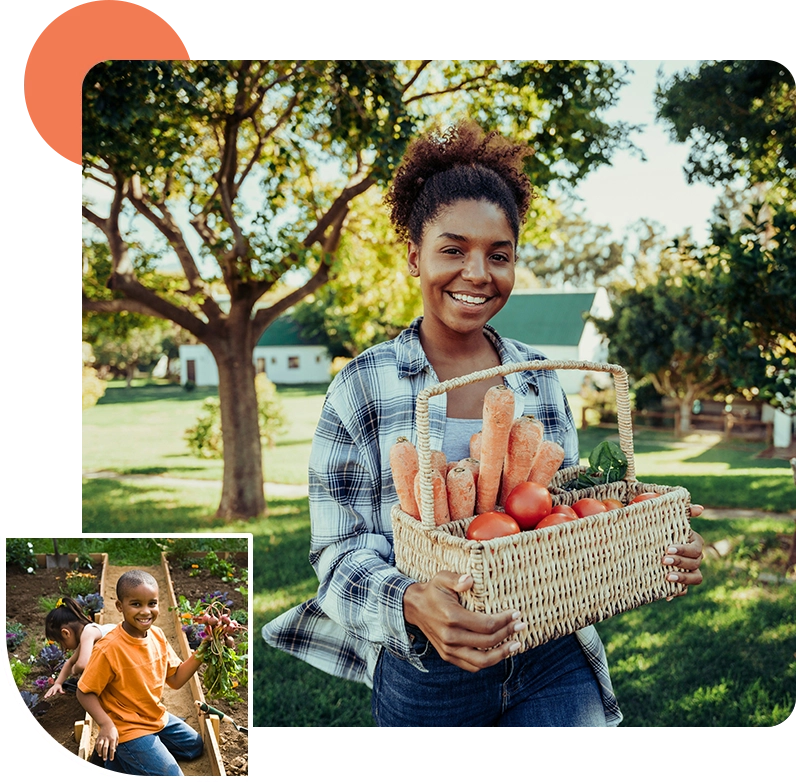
128 675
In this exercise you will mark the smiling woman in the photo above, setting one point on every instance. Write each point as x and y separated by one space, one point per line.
458 200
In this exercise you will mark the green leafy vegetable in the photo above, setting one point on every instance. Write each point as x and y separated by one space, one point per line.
607 463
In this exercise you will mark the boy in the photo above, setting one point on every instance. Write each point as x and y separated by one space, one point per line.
122 686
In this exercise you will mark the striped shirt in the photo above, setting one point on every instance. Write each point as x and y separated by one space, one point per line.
358 609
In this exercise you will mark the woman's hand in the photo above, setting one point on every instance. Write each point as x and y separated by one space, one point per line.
687 556
470 640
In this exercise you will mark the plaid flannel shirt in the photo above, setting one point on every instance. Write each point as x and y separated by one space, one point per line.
358 609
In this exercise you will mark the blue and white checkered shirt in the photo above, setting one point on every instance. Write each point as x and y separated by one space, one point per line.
359 605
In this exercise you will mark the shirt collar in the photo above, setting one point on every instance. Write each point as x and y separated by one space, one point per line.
411 359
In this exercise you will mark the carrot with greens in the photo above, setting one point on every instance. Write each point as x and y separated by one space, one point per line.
548 459
461 493
524 439
498 417
404 466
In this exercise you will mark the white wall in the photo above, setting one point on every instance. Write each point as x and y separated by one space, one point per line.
279 363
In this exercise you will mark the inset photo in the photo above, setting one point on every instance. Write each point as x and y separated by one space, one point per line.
132 653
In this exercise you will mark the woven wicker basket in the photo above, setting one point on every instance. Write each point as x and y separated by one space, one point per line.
561 578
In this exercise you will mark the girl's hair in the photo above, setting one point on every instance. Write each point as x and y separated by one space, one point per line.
67 611
460 163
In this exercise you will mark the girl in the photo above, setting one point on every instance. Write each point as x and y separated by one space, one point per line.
73 631
458 201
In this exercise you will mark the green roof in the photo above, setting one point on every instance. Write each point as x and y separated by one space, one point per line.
283 331
544 318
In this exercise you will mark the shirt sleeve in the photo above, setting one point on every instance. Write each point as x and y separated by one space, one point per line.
97 674
352 551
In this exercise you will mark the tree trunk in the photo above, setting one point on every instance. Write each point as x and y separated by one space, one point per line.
242 495
686 404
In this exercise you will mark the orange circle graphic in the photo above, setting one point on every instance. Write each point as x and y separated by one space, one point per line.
71 45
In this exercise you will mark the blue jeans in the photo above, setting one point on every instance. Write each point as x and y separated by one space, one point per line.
156 755
551 685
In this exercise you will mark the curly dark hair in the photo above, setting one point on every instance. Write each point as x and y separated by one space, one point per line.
67 613
459 163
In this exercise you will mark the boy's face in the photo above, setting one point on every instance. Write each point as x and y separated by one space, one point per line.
139 608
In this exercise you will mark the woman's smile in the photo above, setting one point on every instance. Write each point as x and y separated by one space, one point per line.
465 263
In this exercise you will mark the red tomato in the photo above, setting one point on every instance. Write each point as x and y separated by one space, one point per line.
647 495
612 502
588 506
492 524
555 518
567 509
528 504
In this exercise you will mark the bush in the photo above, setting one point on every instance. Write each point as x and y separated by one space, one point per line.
93 387
19 551
205 438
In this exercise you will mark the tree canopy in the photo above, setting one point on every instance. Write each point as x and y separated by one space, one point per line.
250 172
740 116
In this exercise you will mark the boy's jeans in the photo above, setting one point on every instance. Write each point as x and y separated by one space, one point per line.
154 755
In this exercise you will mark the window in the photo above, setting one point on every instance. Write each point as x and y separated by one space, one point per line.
292 362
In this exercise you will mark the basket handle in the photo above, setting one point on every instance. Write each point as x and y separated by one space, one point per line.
624 421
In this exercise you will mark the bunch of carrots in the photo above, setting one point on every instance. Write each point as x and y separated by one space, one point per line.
505 453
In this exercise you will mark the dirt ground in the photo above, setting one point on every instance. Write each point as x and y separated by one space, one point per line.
58 715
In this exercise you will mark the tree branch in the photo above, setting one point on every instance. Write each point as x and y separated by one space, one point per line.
415 75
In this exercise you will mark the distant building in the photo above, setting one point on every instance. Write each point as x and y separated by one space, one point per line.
281 352
553 322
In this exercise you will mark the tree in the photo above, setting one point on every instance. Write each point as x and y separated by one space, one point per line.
660 332
753 267
740 116
264 161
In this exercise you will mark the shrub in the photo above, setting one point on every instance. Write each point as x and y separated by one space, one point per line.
205 438
19 551
20 671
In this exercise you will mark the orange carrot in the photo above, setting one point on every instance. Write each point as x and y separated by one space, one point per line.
403 463
449 466
461 493
473 465
438 487
524 439
498 416
546 462
439 462
475 446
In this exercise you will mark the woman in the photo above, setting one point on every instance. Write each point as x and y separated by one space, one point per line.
458 200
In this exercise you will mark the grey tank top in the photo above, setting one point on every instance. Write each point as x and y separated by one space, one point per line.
458 431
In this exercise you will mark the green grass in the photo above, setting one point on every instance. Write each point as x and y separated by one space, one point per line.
150 419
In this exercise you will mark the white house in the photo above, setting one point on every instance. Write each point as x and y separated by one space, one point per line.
281 352
553 322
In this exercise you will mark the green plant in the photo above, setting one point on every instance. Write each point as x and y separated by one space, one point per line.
221 568
19 551
20 671
15 634
80 583
205 438
47 603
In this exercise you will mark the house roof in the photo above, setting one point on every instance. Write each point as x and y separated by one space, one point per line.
544 317
283 331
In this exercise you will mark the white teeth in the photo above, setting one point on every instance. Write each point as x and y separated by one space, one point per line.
469 299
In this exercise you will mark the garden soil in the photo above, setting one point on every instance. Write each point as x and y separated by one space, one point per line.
58 715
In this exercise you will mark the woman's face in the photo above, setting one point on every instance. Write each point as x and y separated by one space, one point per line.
465 263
